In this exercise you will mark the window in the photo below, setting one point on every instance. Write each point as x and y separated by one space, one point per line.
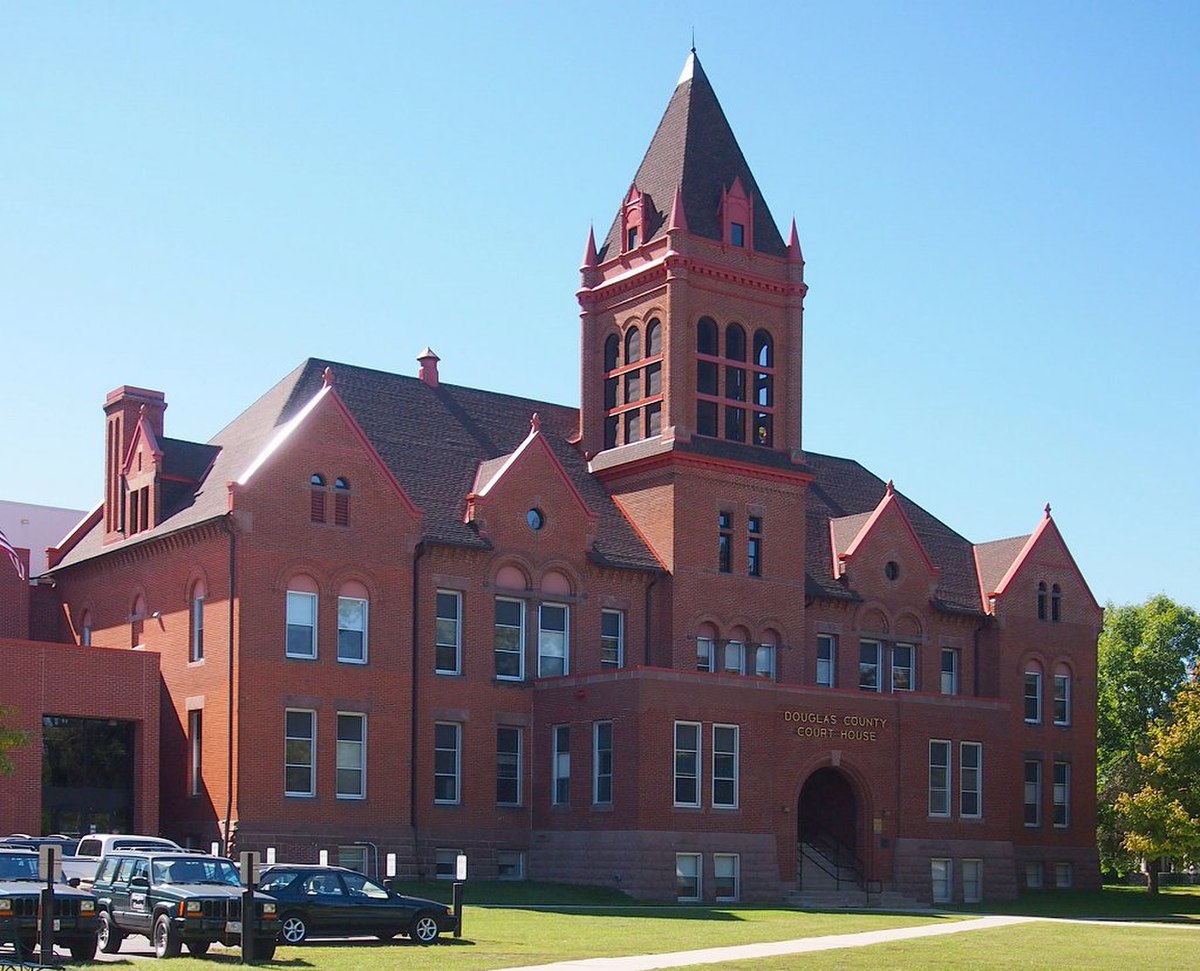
1033 792
1064 876
1033 696
354 858
687 764
754 550
972 881
1062 794
1055 603
826 660
735 658
869 662
737 234
941 875
561 765
612 639
447 738
510 864
352 630
553 660
726 877
970 779
602 764
949 671
631 238
713 402
764 361
196 640
301 624
1041 600
1062 699
724 542
902 667
1034 879
445 863
351 755
341 502
195 751
316 512
300 749
704 653
764 661
687 876
510 639
85 632
939 777
725 740
447 651
633 387
508 766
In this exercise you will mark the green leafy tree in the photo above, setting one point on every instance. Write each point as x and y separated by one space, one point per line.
1162 818
1144 654
10 739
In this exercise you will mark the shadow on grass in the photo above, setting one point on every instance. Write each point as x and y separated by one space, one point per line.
1112 903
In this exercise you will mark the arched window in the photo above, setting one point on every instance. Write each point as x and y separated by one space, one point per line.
653 338
633 346
1055 603
735 342
764 352
301 641
725 385
706 337
1041 600
1033 692
196 626
1062 694
612 350
706 648
633 387
341 502
764 656
85 629
735 383
353 601
316 512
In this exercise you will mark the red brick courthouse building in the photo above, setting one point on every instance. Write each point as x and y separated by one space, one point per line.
649 643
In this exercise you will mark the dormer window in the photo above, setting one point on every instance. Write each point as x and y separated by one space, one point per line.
631 238
316 512
633 219
737 234
341 502
737 208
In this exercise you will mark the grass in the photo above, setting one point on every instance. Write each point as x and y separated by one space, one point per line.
1112 903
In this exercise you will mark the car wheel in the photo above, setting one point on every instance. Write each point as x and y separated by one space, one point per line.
109 937
424 929
293 930
167 943
198 949
83 950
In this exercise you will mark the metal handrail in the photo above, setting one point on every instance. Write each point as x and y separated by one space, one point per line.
843 858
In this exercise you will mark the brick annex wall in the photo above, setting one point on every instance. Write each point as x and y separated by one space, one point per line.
913 875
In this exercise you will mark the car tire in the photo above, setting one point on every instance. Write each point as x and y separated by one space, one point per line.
167 943
198 949
424 928
108 936
83 949
293 929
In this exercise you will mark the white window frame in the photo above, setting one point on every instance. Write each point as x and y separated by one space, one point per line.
195 751
311 764
863 645
1062 795
972 881
457 775
706 651
697 861
687 758
609 641
600 776
767 652
970 779
294 596
548 635
1064 876
733 862
949 679
560 765
737 651
445 863
1036 696
911 667
196 631
826 675
520 651
1062 699
365 605
443 643
512 861
353 857
722 756
941 875
1035 875
1036 791
517 765
944 747
345 759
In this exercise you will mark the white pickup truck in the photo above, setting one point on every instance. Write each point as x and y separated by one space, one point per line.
80 869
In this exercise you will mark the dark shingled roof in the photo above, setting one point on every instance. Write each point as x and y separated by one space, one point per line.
996 557
695 148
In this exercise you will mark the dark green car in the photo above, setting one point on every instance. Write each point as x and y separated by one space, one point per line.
178 900
75 923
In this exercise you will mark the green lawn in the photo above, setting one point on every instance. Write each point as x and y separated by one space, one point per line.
1114 902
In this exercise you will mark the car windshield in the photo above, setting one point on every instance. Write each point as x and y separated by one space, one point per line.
18 866
220 872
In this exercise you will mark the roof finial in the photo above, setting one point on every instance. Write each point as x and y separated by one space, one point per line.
1047 510
535 423
891 488
693 38
327 376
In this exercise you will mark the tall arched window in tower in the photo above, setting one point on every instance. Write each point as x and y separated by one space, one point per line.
612 361
723 388
707 354
633 385
764 390
735 383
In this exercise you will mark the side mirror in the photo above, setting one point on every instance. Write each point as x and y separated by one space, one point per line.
73 882
140 882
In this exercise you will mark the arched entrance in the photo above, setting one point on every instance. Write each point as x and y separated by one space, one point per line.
827 831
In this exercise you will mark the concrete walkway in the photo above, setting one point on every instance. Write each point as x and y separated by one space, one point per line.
745 952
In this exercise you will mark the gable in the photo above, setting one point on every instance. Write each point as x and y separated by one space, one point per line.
875 550
1043 558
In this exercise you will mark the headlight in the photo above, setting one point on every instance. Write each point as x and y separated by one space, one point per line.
268 910
87 906
5 907
194 908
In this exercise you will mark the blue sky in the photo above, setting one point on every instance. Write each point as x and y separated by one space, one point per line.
998 206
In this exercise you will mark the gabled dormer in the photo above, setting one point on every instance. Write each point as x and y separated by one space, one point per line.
880 551
737 216
635 221
142 475
131 413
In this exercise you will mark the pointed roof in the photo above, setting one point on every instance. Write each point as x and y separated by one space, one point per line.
695 150
848 533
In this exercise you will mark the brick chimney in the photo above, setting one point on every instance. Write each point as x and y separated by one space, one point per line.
429 367
121 410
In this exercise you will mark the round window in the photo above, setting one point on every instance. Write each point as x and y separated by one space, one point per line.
891 570
535 519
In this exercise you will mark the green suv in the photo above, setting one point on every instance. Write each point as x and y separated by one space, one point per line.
178 900
75 923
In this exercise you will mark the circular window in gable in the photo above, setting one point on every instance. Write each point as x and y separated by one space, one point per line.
891 569
535 519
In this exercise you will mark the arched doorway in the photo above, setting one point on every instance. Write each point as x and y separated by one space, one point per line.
827 830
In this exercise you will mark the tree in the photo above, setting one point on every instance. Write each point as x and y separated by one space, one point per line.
1144 654
10 739
1162 818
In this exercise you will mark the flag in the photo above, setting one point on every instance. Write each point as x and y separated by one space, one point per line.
7 547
